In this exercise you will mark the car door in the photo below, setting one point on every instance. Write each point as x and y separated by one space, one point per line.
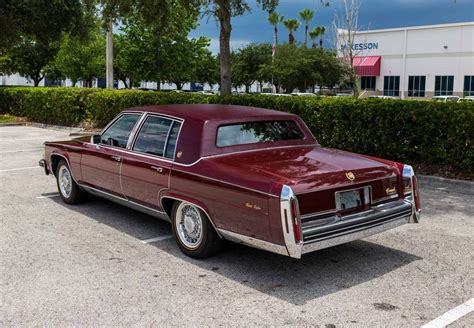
101 163
146 168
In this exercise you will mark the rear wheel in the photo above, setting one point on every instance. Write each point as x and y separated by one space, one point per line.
68 189
193 231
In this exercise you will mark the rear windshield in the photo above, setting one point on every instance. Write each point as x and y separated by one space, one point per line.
255 132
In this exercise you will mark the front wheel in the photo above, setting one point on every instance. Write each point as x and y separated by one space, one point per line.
193 231
68 189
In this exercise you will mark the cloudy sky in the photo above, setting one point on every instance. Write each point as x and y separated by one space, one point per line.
374 14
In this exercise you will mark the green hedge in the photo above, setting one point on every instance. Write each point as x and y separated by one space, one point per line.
407 131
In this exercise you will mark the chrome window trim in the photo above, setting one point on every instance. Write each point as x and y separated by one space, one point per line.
177 142
112 122
139 128
167 138
135 131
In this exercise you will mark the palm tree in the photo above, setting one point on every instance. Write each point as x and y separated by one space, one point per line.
291 25
306 15
314 35
274 19
322 30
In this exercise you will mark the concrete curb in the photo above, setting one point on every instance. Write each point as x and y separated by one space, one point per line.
54 127
81 134
13 124
461 186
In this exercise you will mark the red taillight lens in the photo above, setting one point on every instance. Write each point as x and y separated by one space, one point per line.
416 193
294 216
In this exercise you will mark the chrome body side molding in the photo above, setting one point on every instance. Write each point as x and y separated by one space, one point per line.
125 202
253 242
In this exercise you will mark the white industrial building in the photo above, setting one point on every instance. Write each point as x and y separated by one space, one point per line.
414 62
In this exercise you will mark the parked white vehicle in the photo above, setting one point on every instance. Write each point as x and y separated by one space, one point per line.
467 99
384 97
446 98
303 94
206 93
275 94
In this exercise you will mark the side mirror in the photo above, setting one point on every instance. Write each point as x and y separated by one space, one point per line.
95 139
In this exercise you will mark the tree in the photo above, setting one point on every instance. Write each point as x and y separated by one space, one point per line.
32 30
208 69
183 59
322 30
314 34
81 59
158 53
155 13
29 58
301 68
223 10
306 15
247 62
291 25
346 27
39 20
274 19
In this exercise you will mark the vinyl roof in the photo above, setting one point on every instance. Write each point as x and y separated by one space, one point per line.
210 112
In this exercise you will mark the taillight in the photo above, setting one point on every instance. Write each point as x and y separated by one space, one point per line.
295 218
410 186
416 193
290 219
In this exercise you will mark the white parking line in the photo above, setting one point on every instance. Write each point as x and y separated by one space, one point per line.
452 315
21 168
152 240
21 150
49 196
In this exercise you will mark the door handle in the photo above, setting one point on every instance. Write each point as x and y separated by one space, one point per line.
157 169
116 158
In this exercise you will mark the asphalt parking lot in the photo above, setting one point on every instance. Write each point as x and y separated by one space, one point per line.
102 264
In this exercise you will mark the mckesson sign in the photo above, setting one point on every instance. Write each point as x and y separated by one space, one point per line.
361 46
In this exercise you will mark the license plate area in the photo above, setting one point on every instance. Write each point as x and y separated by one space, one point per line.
353 200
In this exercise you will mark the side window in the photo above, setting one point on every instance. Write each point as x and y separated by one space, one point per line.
171 145
118 133
152 136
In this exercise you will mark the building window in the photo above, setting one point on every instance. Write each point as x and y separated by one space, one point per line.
416 86
367 82
444 85
469 85
391 86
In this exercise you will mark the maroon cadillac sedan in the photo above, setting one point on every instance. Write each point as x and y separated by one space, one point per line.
248 175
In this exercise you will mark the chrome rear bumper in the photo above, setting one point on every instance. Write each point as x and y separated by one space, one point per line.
341 230
324 232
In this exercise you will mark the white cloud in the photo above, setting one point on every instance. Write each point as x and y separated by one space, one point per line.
234 44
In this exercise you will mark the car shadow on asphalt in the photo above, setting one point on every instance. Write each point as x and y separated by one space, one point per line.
295 281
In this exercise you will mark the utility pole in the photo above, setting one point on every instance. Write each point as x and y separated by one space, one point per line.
109 42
